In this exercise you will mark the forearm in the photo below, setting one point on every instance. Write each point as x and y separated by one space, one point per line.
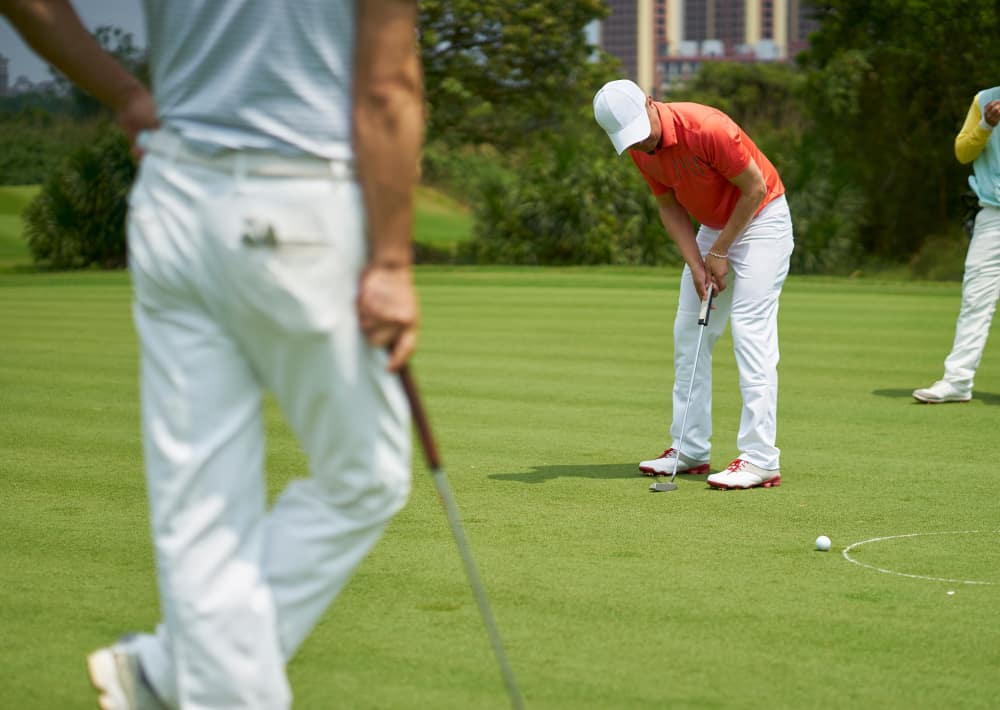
53 30
971 140
743 212
388 124
678 226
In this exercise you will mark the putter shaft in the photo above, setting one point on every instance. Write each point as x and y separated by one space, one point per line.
451 511
703 316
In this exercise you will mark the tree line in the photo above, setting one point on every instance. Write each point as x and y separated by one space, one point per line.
861 128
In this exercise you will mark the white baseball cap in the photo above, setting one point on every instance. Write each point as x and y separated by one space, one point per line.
620 109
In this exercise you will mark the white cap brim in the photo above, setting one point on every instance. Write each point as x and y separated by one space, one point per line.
638 130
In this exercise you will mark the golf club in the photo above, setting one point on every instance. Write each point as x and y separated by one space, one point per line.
451 509
706 307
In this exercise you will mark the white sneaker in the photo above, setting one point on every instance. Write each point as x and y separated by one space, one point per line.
941 392
743 474
663 465
117 676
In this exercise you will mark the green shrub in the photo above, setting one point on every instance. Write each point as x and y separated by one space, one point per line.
78 218
827 215
573 201
34 141
941 257
460 171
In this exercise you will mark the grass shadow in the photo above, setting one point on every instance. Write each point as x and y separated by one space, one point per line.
607 471
989 398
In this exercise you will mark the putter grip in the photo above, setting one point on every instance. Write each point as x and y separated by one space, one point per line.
420 419
706 307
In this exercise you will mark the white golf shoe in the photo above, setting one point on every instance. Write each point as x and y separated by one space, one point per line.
941 392
663 465
743 474
116 674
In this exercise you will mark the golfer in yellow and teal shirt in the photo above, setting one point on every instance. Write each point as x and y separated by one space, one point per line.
977 143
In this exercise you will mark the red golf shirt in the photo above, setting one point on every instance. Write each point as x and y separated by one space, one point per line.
701 149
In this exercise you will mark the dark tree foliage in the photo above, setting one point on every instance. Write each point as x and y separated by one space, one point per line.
890 83
34 141
498 71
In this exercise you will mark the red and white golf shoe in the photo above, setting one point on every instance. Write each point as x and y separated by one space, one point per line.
663 465
743 474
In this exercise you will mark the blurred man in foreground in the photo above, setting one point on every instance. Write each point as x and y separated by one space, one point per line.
269 241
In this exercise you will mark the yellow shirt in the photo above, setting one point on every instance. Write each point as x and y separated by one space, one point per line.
971 140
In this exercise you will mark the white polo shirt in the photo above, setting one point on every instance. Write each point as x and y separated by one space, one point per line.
255 74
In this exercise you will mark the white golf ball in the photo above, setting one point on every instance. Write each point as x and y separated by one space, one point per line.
822 543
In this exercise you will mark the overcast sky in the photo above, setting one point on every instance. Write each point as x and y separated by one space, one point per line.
126 14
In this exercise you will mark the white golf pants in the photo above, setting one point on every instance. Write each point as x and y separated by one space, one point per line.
245 272
980 290
758 265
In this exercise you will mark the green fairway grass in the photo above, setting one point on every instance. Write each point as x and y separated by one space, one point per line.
441 221
544 388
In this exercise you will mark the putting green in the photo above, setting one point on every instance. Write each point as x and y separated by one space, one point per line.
545 387
960 556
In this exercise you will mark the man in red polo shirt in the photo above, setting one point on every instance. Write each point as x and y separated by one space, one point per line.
700 164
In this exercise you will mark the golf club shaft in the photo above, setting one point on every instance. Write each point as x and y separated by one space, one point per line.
703 315
451 510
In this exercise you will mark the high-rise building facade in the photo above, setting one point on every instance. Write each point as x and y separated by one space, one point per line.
618 34
801 24
720 20
663 41
629 33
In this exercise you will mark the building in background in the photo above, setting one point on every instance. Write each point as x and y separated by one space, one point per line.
629 34
661 42
21 85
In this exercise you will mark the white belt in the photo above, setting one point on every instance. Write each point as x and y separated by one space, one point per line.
174 148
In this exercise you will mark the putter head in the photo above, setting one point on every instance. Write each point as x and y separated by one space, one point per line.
662 486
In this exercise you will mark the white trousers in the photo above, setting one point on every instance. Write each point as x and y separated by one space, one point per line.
245 283
980 290
758 265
